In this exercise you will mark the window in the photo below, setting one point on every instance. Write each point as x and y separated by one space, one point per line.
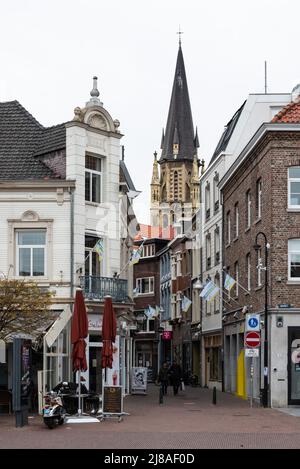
93 177
145 324
92 261
294 187
217 245
173 268
236 285
248 209
215 362
148 250
31 247
248 267
294 259
208 251
236 220
207 201
259 264
216 192
258 198
145 286
217 297
228 230
176 191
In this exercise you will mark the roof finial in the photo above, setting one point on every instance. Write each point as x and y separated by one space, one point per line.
179 33
94 100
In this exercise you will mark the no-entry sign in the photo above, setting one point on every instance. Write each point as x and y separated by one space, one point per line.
252 339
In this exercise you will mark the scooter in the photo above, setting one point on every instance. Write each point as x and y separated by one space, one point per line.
54 412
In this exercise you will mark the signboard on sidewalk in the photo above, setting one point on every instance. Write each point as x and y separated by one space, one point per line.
139 380
252 339
252 352
252 322
112 400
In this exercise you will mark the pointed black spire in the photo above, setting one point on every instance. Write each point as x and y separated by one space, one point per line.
196 139
162 139
180 121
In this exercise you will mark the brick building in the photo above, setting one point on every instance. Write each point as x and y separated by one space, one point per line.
147 285
261 193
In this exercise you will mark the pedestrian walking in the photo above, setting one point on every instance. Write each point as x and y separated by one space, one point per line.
163 377
175 376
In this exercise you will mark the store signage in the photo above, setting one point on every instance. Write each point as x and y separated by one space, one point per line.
112 400
252 352
95 323
252 339
252 322
167 335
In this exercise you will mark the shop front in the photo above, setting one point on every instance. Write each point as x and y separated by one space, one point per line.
212 348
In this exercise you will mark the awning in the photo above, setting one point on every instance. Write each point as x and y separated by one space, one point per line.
58 326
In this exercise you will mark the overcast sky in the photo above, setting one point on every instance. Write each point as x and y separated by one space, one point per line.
50 50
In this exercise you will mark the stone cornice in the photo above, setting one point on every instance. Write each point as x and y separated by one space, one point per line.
93 129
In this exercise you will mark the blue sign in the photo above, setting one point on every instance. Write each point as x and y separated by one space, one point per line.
253 322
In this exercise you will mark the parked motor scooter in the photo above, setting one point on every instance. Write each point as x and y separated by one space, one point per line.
54 412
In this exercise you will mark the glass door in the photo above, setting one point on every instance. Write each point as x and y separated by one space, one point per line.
294 365
95 369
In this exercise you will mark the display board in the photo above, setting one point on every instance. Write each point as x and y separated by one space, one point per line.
112 400
139 380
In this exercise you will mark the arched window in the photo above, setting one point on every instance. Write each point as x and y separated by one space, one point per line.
175 185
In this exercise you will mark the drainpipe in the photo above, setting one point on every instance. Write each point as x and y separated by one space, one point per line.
71 243
221 282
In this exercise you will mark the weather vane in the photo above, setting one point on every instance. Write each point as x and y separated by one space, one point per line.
179 32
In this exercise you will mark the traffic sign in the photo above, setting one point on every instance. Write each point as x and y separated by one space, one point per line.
252 339
252 352
252 322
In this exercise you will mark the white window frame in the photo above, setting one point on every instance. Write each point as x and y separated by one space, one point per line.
179 264
290 252
248 265
98 173
151 284
259 197
236 217
228 228
290 180
248 202
31 247
148 250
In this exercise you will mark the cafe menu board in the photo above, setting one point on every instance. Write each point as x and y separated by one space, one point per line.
112 400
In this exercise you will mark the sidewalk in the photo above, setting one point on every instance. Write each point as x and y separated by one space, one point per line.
188 420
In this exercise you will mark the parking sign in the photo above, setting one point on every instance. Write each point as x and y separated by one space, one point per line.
252 322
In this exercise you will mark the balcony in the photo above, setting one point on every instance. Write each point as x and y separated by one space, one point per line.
96 288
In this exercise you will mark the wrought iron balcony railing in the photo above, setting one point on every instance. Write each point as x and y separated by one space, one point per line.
96 288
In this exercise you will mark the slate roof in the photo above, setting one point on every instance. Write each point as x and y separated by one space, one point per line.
126 176
22 140
179 127
228 131
289 113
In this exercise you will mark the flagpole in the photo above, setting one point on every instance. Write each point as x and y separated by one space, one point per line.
223 291
247 291
128 262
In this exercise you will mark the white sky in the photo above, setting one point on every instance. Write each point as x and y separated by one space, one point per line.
50 50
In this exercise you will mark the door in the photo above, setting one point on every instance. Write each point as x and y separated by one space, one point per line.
294 365
95 369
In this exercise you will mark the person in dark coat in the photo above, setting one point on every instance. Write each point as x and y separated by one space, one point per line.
163 377
175 376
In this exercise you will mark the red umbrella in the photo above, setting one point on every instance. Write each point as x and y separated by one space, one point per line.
109 329
79 331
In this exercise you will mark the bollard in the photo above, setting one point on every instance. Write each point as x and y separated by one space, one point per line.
214 395
161 396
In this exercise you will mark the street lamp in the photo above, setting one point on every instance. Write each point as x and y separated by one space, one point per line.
266 371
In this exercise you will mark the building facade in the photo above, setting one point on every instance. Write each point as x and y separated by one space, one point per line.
64 188
264 182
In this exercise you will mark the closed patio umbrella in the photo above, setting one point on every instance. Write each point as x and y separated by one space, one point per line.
109 329
79 331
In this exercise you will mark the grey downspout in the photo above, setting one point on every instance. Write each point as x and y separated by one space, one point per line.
221 282
72 244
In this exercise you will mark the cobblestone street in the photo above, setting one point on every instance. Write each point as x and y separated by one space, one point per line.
188 420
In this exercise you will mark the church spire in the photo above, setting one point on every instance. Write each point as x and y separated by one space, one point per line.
180 121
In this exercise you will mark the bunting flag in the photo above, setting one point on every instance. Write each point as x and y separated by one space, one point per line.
209 291
150 312
135 255
157 309
136 291
185 304
229 282
99 249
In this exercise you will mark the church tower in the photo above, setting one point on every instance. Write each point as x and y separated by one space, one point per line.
175 192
